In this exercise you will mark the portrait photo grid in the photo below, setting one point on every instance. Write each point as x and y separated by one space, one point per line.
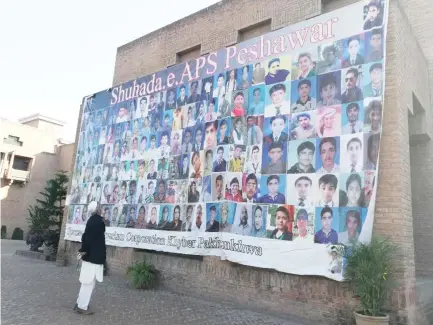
285 148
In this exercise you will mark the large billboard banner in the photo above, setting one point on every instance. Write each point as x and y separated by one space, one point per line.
264 153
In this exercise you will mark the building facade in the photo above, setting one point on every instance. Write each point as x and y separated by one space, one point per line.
31 154
405 190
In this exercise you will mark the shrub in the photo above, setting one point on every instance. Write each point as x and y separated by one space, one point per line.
18 234
370 269
143 276
3 232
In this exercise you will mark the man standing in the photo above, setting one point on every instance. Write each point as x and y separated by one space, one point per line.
93 255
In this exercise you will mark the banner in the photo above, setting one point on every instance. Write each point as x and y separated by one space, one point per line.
264 153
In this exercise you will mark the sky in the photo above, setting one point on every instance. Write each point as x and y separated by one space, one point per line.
53 53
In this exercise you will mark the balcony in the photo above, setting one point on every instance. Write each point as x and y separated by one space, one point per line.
17 175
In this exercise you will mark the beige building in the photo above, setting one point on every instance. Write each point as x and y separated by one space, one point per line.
31 153
404 202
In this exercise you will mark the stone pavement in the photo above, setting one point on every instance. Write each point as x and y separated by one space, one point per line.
38 292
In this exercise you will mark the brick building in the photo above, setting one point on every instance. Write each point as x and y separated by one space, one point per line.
31 153
405 190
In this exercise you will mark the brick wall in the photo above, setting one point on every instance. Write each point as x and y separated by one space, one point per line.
314 298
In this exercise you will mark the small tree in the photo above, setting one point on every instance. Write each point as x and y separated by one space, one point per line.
46 215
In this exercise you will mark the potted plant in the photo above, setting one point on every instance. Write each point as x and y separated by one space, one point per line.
370 269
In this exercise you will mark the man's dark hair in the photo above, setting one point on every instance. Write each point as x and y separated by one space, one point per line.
257 89
326 80
212 208
255 148
330 140
275 145
272 61
195 82
353 38
329 179
220 149
219 178
373 4
252 177
283 210
377 66
304 178
270 178
354 71
354 214
325 210
352 105
277 87
234 181
376 31
273 118
306 145
304 82
209 124
239 93
354 140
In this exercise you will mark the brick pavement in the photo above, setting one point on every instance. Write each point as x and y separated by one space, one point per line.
37 292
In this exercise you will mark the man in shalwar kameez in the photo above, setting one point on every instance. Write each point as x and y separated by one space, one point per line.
93 255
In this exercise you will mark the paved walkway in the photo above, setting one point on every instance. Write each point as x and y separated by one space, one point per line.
37 292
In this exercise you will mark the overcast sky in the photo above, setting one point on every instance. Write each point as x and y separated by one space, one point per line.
55 52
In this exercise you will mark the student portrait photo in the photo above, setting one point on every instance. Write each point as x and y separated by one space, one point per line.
196 168
278 70
275 129
171 99
239 103
226 212
176 143
328 157
244 77
352 190
258 73
278 101
303 95
206 189
300 191
212 222
220 86
231 84
171 194
352 118
242 221
326 222
304 225
251 187
302 160
329 57
274 160
176 222
352 85
224 131
260 213
281 218
239 133
208 162
373 77
273 189
373 115
328 191
234 187
371 154
350 226
210 140
256 100
329 89
304 64
253 165
254 130
188 219
207 89
373 15
199 223
194 190
353 53
197 140
189 112
184 166
237 155
328 121
374 45
194 92
303 126
352 157
160 194
220 159
218 186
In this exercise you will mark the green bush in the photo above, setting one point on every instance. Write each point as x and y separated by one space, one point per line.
370 269
3 232
18 234
143 276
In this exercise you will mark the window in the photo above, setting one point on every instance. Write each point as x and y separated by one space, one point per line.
13 140
21 163
254 30
189 54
